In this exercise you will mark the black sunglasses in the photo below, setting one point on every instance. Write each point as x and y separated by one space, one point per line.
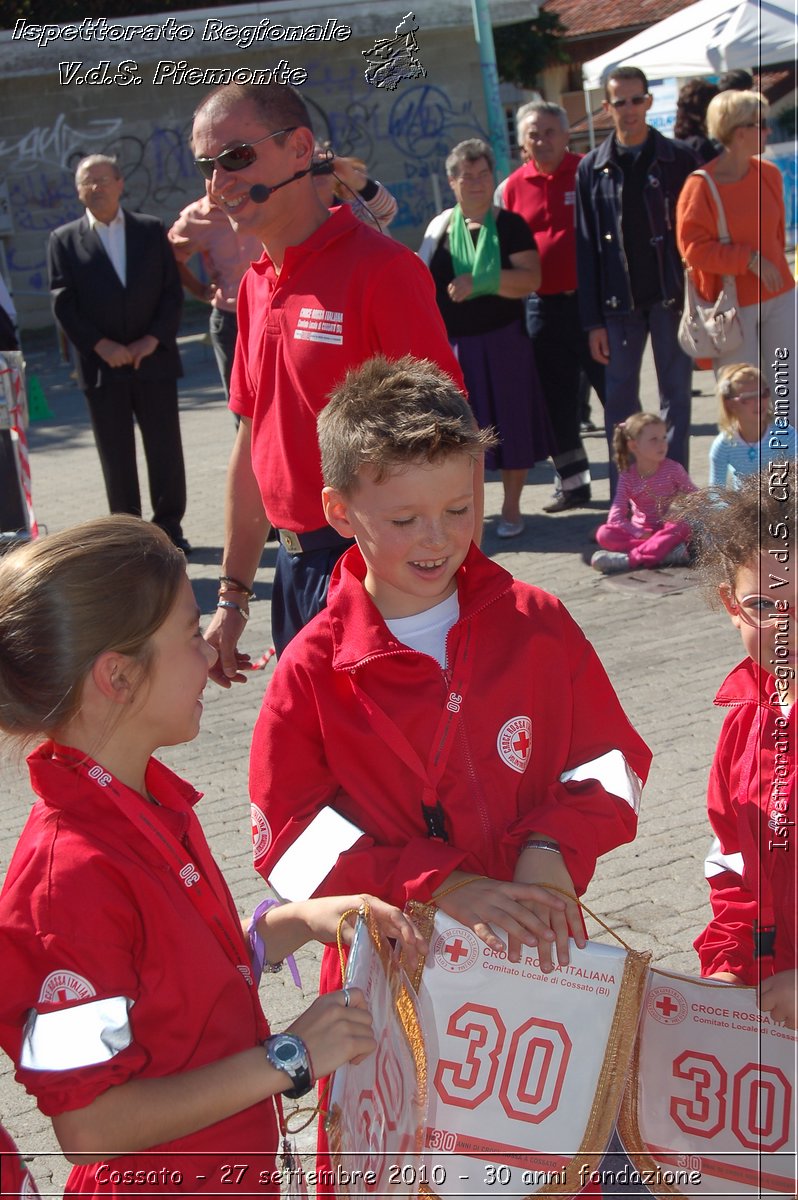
636 100
237 157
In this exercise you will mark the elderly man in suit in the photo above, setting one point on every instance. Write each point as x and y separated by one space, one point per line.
117 296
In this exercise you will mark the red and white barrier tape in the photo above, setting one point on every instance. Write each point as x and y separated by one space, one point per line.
17 428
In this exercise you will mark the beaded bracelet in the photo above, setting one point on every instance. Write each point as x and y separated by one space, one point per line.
258 947
231 604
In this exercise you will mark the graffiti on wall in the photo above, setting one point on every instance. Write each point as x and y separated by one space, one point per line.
39 173
55 146
408 134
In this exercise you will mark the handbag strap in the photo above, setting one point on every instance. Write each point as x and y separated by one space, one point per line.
723 229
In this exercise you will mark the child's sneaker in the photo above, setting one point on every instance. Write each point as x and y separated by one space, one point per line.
679 556
609 562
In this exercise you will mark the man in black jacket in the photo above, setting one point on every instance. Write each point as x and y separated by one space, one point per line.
631 282
117 296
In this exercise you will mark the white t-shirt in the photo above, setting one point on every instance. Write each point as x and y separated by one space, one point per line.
427 631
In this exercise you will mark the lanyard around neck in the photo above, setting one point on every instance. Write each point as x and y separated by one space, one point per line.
431 772
196 873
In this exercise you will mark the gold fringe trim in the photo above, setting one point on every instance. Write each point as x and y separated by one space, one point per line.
333 1126
423 917
620 1048
629 1132
411 1027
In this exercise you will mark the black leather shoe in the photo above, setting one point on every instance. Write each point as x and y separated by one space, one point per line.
577 498
183 544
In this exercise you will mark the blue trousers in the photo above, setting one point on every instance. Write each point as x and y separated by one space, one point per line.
299 590
627 341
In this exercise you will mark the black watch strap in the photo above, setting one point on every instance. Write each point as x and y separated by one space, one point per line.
288 1053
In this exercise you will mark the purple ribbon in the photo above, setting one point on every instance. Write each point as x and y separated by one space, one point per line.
258 948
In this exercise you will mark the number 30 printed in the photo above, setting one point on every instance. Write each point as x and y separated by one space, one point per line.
532 1071
761 1098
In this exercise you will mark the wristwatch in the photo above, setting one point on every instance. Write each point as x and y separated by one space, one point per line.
290 1054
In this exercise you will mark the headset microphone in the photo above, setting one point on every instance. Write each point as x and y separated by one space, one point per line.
259 193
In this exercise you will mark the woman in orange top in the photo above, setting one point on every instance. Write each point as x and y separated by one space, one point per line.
751 191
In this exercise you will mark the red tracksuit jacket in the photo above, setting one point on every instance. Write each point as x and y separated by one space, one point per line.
111 972
523 732
751 868
353 720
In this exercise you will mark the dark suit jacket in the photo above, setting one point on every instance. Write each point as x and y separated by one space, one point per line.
89 301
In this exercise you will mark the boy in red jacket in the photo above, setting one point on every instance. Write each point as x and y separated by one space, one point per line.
440 731
440 726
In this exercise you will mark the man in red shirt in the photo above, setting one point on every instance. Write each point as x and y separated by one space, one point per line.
542 191
328 293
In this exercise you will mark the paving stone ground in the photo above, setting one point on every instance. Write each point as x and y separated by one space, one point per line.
666 656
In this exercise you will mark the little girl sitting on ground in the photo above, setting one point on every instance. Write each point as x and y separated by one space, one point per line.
749 438
130 997
637 533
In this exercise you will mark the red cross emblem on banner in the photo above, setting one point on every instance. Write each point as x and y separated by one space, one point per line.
667 1006
455 950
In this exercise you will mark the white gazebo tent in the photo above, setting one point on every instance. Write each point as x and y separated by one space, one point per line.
706 38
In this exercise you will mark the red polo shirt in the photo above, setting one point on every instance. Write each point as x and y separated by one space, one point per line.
548 204
342 296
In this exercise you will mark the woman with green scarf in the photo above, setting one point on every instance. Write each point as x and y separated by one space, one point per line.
484 262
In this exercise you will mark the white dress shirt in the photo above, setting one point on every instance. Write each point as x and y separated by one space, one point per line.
112 237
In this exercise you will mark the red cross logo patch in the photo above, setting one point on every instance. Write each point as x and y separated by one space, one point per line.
514 743
261 834
456 950
666 1005
65 987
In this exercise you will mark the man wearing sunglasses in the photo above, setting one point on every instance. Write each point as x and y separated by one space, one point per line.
328 293
631 281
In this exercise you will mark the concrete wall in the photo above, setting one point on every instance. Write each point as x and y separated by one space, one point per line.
46 125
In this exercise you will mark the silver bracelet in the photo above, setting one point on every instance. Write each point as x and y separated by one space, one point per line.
232 604
537 844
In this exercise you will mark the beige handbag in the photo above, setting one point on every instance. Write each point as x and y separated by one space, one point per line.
711 329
